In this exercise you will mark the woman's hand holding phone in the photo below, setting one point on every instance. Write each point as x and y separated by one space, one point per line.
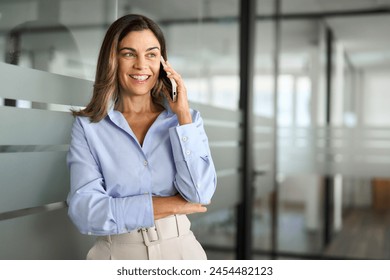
173 92
180 107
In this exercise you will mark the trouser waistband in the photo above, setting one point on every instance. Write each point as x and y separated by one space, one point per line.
166 228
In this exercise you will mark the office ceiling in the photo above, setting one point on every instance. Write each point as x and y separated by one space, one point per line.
321 6
356 25
365 39
364 36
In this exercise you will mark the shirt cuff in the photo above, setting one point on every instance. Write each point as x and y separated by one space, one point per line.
134 213
188 141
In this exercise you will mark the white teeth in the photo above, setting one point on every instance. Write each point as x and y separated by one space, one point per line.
140 77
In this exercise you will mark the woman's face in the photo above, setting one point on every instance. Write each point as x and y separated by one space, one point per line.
139 62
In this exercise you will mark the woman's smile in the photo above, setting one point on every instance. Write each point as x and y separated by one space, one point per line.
140 78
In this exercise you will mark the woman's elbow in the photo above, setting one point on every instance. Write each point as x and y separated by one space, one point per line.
202 194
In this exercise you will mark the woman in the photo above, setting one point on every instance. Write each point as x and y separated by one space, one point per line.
139 162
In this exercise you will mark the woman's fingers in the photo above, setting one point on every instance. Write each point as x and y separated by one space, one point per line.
180 107
189 207
171 73
196 208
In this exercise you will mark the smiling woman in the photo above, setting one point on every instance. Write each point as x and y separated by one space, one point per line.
139 162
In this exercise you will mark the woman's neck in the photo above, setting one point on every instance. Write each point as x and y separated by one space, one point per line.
138 105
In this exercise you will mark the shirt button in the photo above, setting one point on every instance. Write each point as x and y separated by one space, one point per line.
184 138
145 163
188 152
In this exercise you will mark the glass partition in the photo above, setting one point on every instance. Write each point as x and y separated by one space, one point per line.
332 131
57 36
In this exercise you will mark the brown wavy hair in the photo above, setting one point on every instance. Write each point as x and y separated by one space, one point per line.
106 86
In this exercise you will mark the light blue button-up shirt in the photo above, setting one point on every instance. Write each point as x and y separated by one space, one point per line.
113 178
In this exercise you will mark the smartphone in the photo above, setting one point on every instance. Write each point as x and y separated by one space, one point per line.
168 82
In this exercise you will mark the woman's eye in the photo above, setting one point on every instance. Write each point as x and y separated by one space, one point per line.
128 55
151 55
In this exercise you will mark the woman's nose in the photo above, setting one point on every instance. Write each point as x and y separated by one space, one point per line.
140 63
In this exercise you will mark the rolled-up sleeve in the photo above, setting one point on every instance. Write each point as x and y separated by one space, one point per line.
91 208
196 178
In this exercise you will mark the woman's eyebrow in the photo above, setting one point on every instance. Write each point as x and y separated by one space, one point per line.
134 50
128 49
152 48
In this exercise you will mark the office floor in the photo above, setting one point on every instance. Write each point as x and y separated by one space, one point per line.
365 235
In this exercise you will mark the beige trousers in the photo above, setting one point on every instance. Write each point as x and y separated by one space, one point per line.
170 239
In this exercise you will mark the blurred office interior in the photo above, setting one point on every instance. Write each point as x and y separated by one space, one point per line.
295 95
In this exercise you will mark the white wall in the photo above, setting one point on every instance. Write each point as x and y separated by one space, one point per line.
376 98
